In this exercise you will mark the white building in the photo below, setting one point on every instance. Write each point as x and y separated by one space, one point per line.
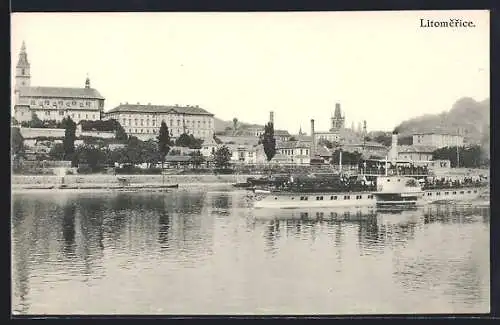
53 103
438 140
293 152
143 121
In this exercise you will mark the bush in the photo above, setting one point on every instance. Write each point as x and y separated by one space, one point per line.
224 171
84 170
132 170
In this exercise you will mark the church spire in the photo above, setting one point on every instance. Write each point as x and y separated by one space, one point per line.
23 58
23 78
338 113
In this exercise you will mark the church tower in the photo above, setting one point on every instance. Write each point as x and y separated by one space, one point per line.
23 78
337 120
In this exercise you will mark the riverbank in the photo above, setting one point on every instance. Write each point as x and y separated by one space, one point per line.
103 180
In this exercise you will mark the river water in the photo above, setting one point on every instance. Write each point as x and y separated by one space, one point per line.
203 251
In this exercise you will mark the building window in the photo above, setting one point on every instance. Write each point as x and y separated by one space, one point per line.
87 104
171 122
81 104
47 102
135 131
154 124
129 121
142 122
147 122
22 72
47 112
73 103
86 116
68 104
142 131
78 115
61 113
136 121
178 122
33 102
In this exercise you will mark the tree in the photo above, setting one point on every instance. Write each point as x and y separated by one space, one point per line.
183 140
235 124
120 133
189 141
326 143
384 139
222 156
197 158
69 137
90 155
35 121
469 157
268 141
57 151
17 141
292 138
163 144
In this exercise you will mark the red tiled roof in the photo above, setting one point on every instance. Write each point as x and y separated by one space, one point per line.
190 110
60 92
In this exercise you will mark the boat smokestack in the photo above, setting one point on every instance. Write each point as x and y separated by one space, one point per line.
393 154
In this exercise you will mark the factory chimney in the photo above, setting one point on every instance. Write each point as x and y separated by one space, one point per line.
313 148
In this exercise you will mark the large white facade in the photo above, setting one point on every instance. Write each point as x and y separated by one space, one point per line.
53 103
438 140
144 121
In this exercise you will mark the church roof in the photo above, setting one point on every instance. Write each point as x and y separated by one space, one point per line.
415 149
137 108
60 92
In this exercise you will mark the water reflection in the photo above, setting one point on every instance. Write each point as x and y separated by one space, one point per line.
192 252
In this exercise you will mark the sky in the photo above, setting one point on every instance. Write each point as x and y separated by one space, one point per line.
381 67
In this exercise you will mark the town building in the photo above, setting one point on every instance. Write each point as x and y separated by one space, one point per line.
293 152
438 140
409 152
53 103
415 153
144 121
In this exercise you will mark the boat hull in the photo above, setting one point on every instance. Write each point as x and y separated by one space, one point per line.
453 194
266 199
314 200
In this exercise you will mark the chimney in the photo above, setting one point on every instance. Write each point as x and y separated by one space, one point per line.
313 137
271 117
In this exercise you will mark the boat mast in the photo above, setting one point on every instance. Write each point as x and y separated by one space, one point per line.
458 155
386 165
